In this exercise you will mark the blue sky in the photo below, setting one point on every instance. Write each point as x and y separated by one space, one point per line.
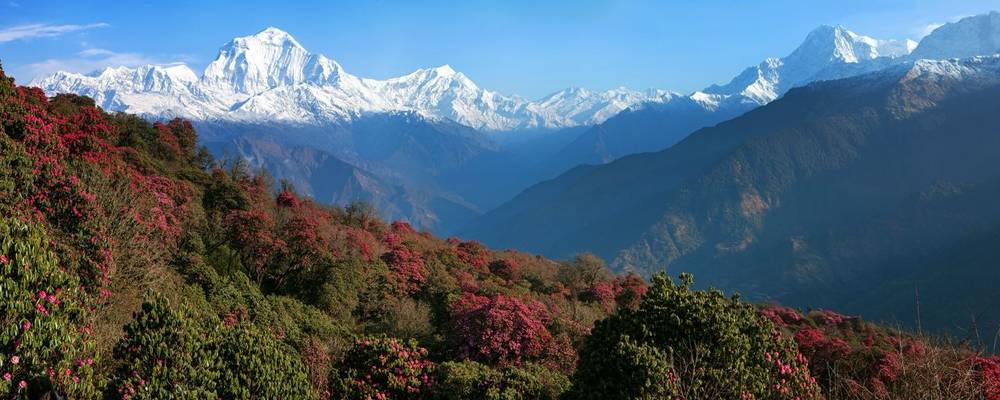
529 48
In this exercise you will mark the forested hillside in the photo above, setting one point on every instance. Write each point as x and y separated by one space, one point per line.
134 266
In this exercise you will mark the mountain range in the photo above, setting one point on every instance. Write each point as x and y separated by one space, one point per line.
268 90
849 192
269 77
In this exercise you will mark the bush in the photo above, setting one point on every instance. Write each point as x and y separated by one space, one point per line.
690 344
44 342
383 368
853 359
165 354
255 365
469 380
499 330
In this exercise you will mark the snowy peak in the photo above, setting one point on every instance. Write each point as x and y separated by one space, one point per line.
827 52
270 76
271 36
978 35
265 60
444 70
837 44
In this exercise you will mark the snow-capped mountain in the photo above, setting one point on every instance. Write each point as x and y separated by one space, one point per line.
583 107
827 52
270 77
971 36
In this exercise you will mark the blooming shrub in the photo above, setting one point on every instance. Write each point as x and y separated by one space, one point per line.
854 359
989 371
690 344
499 330
629 290
603 293
44 342
383 368
472 253
402 228
252 232
287 199
407 267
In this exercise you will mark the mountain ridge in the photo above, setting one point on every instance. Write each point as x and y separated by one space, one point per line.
269 76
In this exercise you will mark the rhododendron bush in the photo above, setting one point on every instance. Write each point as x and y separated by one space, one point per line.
168 354
500 330
383 368
851 358
45 342
682 343
469 380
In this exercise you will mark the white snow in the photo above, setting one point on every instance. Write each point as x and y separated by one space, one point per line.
269 76
978 35
828 52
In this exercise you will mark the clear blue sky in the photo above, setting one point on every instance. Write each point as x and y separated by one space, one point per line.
530 48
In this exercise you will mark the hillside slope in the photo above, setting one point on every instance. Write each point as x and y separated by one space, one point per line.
813 199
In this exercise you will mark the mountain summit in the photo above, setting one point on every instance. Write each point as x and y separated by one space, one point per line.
827 52
266 60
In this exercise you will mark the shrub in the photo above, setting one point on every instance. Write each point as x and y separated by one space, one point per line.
506 269
989 371
407 267
695 345
383 368
852 359
44 342
469 380
255 365
165 354
499 330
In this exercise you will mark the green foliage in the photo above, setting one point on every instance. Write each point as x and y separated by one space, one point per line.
256 366
165 354
44 346
691 344
15 173
469 380
170 353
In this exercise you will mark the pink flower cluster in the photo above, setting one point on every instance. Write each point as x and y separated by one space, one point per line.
386 368
407 267
500 330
